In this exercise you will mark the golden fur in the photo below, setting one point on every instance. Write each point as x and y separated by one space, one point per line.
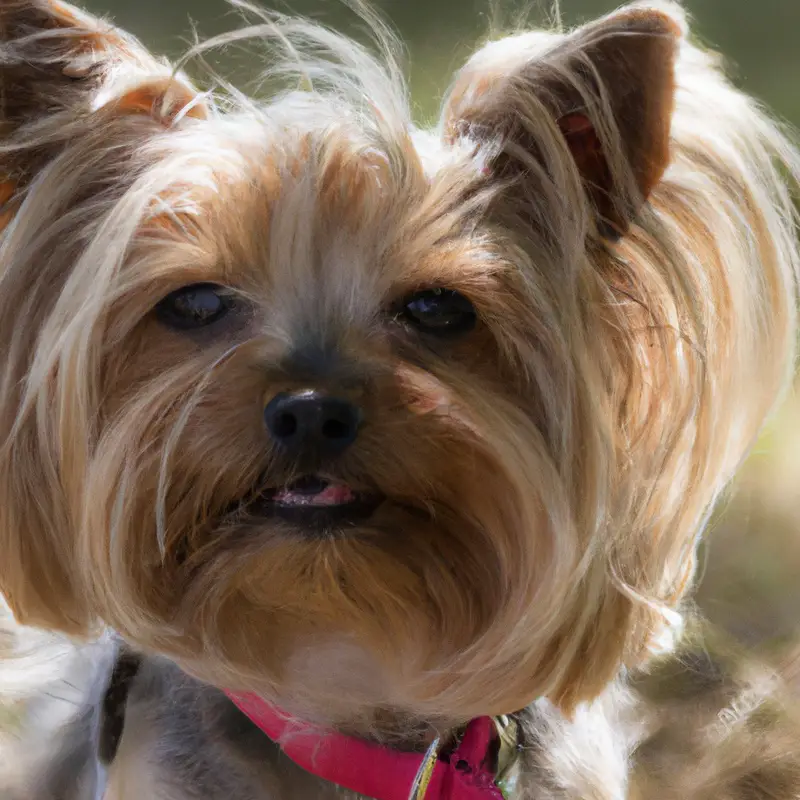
619 215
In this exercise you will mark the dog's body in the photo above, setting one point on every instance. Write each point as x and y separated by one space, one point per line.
392 430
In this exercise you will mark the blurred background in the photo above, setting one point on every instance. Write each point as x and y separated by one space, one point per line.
751 563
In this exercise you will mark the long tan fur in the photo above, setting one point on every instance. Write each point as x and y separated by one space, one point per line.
619 216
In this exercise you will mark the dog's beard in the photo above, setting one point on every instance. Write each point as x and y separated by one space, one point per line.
413 553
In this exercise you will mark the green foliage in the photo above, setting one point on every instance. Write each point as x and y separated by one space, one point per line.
759 39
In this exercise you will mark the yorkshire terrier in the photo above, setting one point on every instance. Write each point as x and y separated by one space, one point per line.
343 458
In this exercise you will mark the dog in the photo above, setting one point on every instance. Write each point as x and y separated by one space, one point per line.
344 458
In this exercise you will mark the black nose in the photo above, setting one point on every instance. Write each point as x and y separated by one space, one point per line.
312 424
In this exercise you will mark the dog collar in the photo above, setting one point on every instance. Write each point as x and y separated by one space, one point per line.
483 765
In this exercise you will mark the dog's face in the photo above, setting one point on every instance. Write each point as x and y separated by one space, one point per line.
354 416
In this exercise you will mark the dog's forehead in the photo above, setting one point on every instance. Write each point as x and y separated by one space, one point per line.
327 227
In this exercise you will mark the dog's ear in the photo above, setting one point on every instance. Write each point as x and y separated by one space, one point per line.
59 65
604 94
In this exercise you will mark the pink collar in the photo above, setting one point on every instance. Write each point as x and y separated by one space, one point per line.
380 772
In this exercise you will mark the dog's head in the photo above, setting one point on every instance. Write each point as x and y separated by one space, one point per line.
361 417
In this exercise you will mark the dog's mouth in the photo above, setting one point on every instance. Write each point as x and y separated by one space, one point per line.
311 490
315 502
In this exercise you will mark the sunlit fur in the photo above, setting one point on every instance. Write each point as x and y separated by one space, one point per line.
547 474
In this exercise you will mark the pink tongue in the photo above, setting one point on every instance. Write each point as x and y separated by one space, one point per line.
334 494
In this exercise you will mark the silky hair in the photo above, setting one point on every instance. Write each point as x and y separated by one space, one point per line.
621 218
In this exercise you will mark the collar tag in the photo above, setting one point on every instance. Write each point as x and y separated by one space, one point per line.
423 778
508 761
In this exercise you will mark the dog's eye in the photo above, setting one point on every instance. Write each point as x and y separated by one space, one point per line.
439 311
194 306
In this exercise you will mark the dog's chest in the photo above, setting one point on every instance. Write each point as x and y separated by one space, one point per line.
183 741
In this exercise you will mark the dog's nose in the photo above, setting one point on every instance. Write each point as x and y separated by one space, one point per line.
312 423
